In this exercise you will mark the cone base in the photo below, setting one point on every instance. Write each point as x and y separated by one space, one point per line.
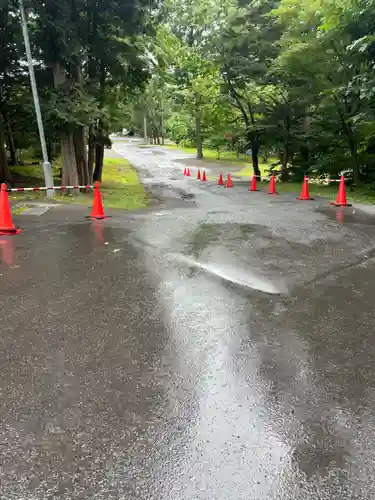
254 190
5 231
304 199
97 217
334 204
273 194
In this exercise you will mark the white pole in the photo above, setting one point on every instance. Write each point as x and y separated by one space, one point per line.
48 177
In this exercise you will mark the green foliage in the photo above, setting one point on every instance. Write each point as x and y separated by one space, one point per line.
89 57
283 77
287 78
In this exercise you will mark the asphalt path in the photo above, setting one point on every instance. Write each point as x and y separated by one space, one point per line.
219 346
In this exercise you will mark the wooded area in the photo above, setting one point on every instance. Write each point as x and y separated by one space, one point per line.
292 79
89 55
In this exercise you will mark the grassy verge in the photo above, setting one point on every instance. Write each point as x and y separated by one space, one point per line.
360 195
210 155
248 170
32 173
120 188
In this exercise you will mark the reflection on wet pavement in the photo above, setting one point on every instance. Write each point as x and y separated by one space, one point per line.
233 274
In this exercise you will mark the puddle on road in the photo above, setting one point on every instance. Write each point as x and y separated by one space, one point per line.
241 277
207 234
347 215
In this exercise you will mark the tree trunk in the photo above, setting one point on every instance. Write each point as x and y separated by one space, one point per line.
356 168
91 154
254 140
79 134
284 160
92 30
4 169
49 146
81 154
145 128
69 173
287 150
99 147
255 155
11 147
353 152
99 161
198 128
351 139
162 119
255 160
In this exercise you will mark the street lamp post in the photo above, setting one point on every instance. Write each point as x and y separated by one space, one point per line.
48 177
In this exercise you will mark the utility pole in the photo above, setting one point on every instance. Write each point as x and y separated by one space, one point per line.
48 177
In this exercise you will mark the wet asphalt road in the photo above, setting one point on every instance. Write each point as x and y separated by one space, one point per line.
219 347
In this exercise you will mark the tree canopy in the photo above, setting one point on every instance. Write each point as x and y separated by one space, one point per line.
291 78
89 56
284 77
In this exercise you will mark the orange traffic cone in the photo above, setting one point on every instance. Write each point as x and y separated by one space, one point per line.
188 172
185 172
229 182
272 189
204 178
341 195
199 174
305 190
220 182
253 186
97 211
6 224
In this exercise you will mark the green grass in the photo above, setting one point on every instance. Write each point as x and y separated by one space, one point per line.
32 173
120 188
210 155
263 167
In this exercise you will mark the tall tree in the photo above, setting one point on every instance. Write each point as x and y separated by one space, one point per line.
12 80
246 49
